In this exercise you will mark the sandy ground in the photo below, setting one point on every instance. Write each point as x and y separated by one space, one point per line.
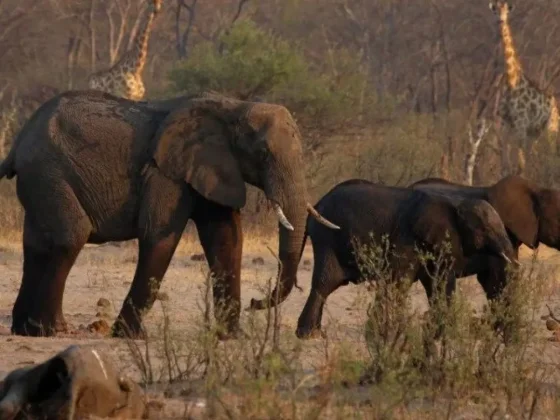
106 271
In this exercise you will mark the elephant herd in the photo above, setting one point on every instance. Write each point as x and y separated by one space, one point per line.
92 168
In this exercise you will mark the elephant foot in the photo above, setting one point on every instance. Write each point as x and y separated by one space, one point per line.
128 327
133 331
304 334
34 328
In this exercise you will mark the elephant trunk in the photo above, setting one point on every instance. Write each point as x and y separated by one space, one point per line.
289 201
506 251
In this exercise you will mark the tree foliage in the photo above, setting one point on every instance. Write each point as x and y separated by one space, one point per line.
256 64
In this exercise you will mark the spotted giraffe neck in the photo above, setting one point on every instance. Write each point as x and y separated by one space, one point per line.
514 72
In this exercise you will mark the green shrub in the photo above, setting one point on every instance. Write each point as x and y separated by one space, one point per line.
254 63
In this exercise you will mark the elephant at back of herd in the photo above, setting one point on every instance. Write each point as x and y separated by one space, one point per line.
92 168
412 221
530 214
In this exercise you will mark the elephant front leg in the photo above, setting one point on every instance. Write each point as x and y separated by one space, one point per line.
434 296
328 276
494 279
309 322
219 229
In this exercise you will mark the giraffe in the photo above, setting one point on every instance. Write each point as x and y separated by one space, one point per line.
124 78
527 109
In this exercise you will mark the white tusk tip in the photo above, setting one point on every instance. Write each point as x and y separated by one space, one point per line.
288 226
505 257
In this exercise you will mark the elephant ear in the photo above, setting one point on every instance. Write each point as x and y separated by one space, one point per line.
434 222
514 200
194 144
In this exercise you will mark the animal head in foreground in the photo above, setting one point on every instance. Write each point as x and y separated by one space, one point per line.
76 383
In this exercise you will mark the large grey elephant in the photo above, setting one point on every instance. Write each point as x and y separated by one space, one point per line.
411 220
531 215
92 168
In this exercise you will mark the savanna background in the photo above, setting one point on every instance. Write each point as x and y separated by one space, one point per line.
389 90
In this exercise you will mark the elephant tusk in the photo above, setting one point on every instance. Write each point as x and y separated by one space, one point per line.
313 212
282 217
504 256
100 363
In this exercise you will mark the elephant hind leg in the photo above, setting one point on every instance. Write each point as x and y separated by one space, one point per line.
46 265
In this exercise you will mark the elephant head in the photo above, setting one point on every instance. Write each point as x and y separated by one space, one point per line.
216 144
473 227
530 213
483 230
76 383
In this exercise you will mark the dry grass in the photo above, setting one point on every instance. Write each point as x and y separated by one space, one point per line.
397 370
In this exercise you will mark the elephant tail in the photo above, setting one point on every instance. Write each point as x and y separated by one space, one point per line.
7 166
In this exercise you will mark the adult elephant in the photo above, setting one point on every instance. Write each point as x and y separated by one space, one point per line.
411 219
530 214
93 168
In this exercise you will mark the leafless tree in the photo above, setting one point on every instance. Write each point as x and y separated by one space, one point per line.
182 35
120 14
474 141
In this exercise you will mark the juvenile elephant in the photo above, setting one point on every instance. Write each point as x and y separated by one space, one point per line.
409 218
530 214
93 168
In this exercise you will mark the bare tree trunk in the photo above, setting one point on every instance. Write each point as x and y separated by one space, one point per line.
182 38
474 144
91 28
116 35
74 46
444 167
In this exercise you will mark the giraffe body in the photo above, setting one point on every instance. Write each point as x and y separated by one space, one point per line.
126 85
529 110
124 78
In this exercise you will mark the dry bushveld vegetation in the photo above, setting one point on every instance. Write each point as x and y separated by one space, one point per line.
392 91
449 363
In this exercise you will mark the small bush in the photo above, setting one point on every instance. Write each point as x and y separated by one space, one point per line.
451 353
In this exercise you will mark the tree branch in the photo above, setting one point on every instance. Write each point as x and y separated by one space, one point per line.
182 39
474 143
237 15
